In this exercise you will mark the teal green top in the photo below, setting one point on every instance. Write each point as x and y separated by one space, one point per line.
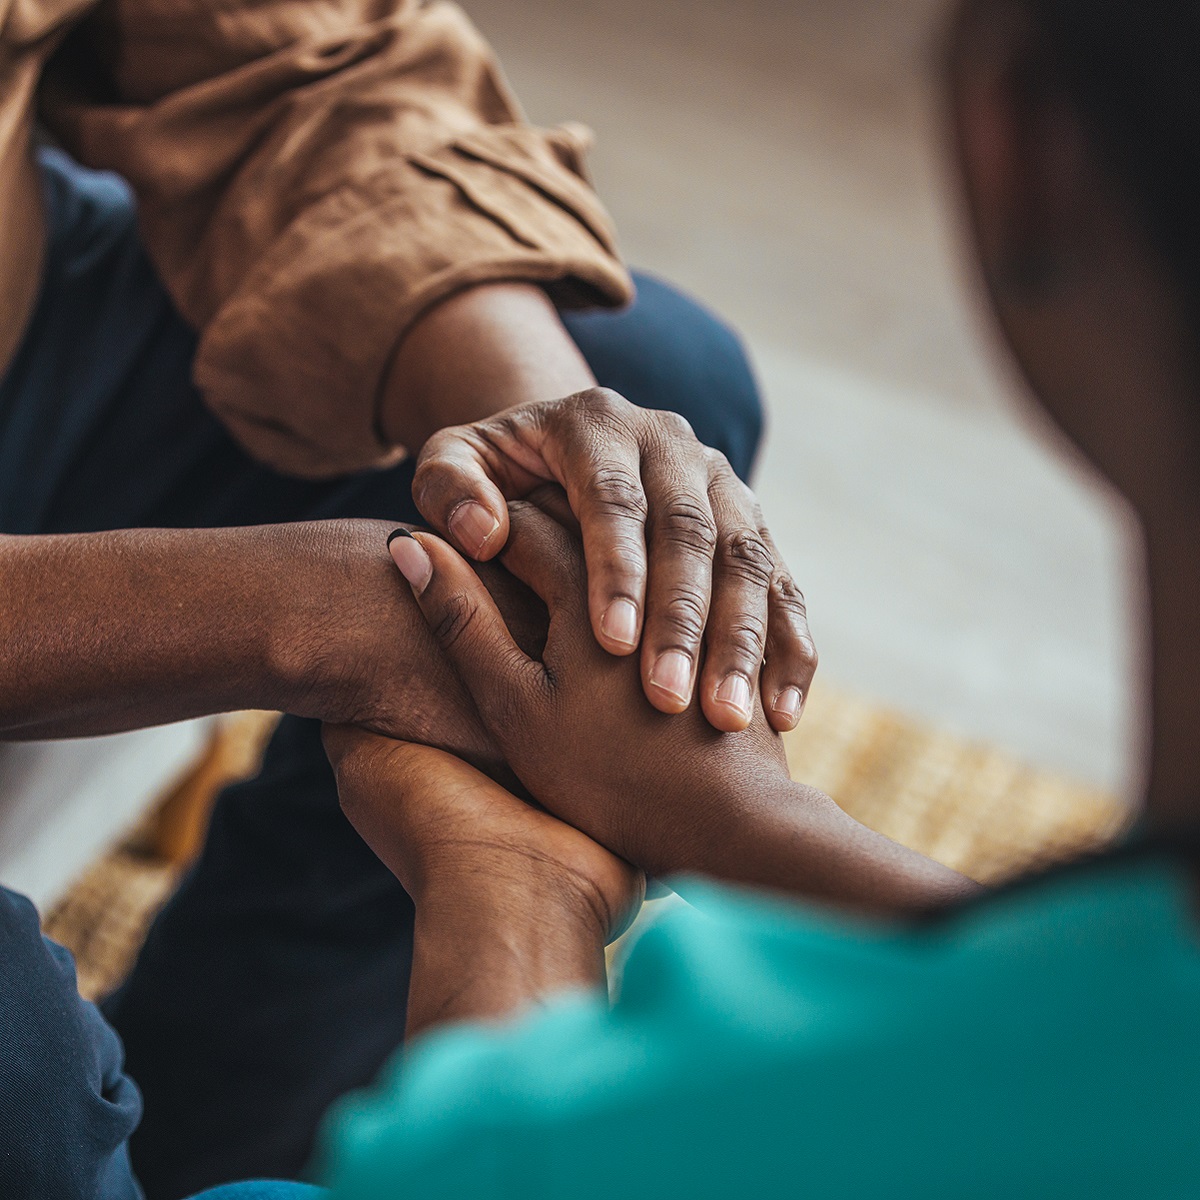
1044 1043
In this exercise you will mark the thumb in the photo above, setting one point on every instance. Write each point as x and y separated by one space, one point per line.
467 625
456 491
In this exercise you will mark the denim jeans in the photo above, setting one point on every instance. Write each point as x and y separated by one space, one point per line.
276 978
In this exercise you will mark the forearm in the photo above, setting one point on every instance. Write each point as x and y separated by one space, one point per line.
475 354
795 839
110 631
488 952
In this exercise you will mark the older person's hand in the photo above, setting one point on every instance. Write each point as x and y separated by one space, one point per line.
679 560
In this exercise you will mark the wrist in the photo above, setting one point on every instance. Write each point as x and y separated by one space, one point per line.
487 952
503 894
474 354
323 632
792 838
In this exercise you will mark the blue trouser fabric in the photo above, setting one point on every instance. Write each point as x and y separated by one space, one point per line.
276 977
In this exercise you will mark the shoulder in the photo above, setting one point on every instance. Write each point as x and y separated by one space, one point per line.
753 1035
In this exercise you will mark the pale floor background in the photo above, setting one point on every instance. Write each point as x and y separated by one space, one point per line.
781 160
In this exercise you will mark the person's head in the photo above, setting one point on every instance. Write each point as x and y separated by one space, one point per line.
1077 126
1078 136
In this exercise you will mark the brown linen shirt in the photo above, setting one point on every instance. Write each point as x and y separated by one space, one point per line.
311 176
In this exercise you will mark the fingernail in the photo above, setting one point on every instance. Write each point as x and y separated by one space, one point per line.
787 704
409 555
735 691
672 673
472 526
619 623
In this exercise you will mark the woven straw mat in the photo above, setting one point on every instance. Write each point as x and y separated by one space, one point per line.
965 804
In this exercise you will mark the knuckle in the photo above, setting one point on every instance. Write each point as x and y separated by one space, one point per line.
788 603
675 425
746 637
785 595
599 407
688 524
684 616
426 475
747 556
625 559
604 399
718 465
444 443
617 492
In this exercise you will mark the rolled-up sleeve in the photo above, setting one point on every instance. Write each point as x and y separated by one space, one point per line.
314 174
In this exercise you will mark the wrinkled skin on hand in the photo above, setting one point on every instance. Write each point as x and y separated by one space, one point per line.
667 792
681 567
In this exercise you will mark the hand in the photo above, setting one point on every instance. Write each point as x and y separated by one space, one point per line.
443 829
637 479
666 792
353 647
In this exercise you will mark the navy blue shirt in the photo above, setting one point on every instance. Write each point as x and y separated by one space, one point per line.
66 1106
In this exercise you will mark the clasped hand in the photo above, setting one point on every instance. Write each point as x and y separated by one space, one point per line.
679 560
647 522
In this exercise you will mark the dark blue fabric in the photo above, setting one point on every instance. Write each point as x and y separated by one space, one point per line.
66 1107
276 978
265 1189
666 351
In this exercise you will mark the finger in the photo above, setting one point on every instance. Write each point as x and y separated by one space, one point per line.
548 559
458 488
593 450
682 540
735 638
468 627
551 499
791 655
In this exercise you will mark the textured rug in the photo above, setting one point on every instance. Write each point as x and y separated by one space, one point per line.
965 804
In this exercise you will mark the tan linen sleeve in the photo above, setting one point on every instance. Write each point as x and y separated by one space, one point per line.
312 175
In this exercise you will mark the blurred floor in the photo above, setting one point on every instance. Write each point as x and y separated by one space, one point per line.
782 160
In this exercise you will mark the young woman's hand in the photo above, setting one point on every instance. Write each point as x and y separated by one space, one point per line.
679 560
669 793
512 904
440 826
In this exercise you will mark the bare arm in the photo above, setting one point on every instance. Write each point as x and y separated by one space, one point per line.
475 354
491 952
110 631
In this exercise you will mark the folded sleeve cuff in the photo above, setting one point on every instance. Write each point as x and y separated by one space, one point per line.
294 360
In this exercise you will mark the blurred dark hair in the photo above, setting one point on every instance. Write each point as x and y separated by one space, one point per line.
1135 70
